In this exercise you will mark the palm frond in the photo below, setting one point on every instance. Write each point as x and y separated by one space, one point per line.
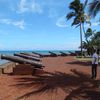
85 3
70 15
77 25
75 5
94 8
76 21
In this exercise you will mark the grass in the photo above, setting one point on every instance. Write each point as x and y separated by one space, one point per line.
85 59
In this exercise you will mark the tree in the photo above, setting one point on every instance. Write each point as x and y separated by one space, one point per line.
88 43
94 7
92 41
77 12
96 40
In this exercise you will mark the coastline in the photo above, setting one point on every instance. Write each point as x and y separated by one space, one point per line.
11 52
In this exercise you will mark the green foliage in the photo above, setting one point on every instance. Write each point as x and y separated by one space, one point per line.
94 8
92 40
88 34
77 12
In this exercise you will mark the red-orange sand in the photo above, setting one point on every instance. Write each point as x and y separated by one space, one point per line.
64 78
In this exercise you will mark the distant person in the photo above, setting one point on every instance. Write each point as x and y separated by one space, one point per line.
95 60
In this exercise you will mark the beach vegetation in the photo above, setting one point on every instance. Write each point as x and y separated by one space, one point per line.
77 12
85 59
92 41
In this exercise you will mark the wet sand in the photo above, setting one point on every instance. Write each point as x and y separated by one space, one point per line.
63 78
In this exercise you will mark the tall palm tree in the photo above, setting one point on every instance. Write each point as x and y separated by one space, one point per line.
77 12
94 7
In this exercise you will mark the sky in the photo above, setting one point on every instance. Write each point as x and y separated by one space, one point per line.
38 25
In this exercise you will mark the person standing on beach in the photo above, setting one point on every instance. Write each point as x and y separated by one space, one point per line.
95 60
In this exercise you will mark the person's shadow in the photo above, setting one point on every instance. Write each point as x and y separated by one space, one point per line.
76 85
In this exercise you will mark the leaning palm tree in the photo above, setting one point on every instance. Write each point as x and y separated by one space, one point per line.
94 7
77 12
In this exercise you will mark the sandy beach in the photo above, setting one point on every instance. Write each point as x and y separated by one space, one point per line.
63 78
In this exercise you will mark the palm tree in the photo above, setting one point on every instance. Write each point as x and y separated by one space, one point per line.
77 12
94 8
92 40
88 34
88 43
96 39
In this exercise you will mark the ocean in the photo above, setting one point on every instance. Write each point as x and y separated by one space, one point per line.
38 51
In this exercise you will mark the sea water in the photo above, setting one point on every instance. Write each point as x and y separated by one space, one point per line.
38 51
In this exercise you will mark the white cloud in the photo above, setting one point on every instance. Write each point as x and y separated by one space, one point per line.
61 22
23 6
29 6
20 24
92 24
95 23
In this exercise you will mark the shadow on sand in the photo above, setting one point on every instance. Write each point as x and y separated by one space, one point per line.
77 85
88 63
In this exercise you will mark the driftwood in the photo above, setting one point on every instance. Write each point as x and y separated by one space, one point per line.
22 61
27 57
30 54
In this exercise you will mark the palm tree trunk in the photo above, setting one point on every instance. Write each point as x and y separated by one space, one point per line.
81 39
83 28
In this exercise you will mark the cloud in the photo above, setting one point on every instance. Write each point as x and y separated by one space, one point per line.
54 7
61 22
95 23
29 6
20 24
92 24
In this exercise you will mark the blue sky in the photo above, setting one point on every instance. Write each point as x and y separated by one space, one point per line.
37 25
